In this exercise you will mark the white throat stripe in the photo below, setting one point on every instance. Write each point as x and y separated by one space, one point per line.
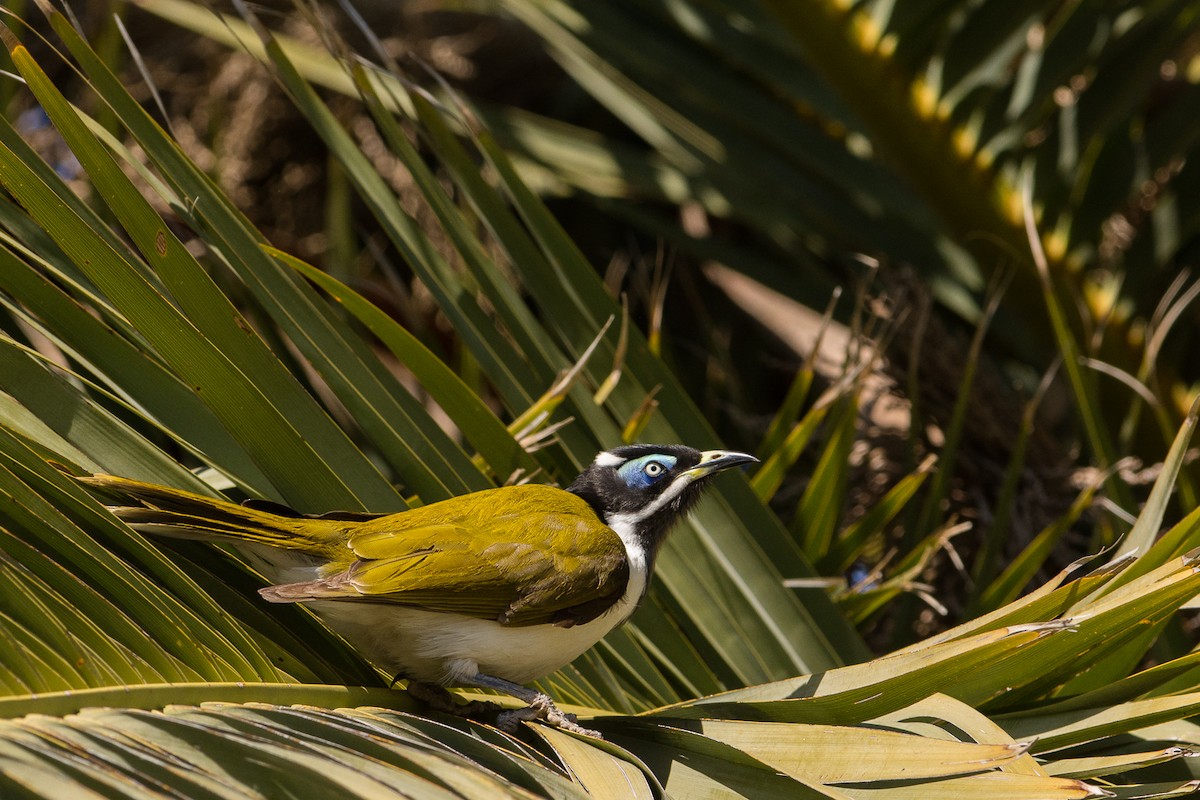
667 496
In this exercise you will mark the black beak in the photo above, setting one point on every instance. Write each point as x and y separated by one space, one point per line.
717 460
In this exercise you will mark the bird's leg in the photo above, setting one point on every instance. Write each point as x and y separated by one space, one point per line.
540 706
437 698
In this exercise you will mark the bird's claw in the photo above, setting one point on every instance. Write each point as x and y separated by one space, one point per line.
437 698
542 708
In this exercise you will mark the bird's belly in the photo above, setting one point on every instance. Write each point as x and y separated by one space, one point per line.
449 649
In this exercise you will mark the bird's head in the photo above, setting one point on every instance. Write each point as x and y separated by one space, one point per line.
641 490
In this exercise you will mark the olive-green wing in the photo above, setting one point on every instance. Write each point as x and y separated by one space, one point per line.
522 555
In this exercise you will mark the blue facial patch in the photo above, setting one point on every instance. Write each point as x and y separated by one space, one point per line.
639 473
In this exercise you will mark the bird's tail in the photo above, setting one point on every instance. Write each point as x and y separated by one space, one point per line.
163 511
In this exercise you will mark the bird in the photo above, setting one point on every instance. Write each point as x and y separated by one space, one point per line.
492 589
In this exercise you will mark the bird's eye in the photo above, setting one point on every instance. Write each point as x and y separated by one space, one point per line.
646 471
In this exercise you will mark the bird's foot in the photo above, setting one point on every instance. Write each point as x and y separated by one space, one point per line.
542 708
439 699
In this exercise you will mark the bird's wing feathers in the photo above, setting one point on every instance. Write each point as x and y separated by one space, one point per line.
522 555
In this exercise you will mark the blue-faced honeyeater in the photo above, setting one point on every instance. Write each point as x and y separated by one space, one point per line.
491 589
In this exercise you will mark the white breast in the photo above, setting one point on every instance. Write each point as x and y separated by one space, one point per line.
450 648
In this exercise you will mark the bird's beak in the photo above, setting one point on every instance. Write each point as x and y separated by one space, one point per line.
716 460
